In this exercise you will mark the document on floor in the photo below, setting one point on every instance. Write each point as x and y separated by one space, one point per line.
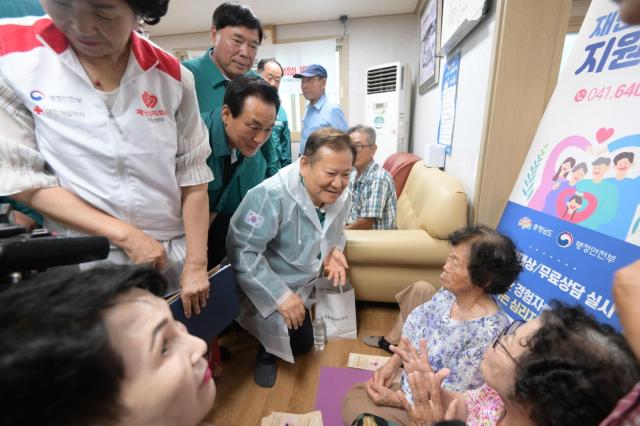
366 362
289 419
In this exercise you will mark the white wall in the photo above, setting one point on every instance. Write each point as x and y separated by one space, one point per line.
473 85
372 41
184 41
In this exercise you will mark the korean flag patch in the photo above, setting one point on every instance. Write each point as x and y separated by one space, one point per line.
254 219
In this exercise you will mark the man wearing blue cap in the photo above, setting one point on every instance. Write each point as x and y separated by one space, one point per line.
320 113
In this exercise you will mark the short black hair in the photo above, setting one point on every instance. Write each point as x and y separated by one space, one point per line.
265 61
56 363
149 10
233 14
628 155
243 86
333 139
575 369
493 259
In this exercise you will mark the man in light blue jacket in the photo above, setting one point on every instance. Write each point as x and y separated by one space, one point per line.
284 233
320 112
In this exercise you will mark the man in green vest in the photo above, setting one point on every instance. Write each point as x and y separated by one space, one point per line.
272 71
236 34
237 131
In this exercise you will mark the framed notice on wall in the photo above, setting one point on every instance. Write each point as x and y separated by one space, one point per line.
448 102
429 42
459 18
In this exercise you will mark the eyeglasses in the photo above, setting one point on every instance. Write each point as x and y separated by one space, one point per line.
507 331
361 147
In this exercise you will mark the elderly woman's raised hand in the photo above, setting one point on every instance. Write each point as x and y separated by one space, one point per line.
626 290
384 375
626 284
413 360
382 395
427 405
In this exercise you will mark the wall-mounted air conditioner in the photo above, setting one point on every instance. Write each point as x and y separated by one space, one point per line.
387 108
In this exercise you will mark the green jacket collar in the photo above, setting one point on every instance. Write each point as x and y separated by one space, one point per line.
219 142
214 76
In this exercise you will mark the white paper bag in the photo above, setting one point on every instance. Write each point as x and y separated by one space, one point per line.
337 309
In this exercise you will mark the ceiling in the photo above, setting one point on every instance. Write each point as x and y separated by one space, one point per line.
190 16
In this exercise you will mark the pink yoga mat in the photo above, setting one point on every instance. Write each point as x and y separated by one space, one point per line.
332 388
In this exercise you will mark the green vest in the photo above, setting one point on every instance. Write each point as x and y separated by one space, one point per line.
281 143
248 172
211 85
19 8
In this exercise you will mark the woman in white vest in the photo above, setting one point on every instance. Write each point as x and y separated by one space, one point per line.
116 120
284 233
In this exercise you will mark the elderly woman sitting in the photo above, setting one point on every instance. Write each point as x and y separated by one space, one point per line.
459 322
563 368
98 348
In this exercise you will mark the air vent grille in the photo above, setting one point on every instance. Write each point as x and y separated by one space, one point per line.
382 80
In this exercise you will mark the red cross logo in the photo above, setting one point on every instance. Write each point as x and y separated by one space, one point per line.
38 110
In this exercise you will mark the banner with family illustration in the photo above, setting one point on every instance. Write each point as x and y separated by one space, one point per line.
574 210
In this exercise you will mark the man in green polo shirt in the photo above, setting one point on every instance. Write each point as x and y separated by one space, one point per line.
238 130
236 34
271 70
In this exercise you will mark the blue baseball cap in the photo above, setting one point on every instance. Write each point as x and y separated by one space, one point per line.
312 71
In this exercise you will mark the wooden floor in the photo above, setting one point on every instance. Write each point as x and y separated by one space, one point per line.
241 402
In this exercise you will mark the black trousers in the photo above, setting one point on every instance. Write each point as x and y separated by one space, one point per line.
217 240
301 340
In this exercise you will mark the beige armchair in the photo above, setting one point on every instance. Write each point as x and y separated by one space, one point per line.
430 207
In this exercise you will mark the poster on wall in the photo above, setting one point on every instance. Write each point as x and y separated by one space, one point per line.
574 211
448 102
429 42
